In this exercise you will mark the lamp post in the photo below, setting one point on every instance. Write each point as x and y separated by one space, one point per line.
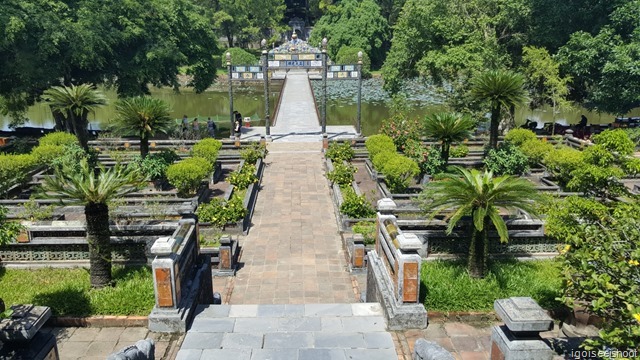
358 129
265 74
324 87
229 69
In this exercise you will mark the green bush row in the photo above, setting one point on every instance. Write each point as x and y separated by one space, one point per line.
355 206
219 212
342 174
243 177
186 175
339 152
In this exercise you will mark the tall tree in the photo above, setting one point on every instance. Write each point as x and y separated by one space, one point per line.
142 116
480 196
94 190
71 106
448 128
355 24
501 89
248 20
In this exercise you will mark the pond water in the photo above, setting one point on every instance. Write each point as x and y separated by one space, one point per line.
341 105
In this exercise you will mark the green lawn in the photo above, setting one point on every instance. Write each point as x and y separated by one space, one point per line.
68 292
446 285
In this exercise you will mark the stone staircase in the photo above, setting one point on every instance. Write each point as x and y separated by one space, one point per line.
288 332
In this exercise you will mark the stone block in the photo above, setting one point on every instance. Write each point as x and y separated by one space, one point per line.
288 340
427 350
523 314
506 346
24 323
386 205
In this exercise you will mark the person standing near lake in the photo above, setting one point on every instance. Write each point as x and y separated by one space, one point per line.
211 127
196 129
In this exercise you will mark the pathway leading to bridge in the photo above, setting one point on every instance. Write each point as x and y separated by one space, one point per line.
297 119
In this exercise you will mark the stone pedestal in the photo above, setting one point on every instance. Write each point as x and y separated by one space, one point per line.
519 338
21 337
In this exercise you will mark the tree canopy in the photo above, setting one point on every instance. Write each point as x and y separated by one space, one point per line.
127 44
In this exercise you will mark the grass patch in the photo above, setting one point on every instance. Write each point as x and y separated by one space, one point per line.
68 291
446 285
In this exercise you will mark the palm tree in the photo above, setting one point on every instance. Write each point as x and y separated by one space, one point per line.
142 116
94 190
448 128
71 105
501 88
479 195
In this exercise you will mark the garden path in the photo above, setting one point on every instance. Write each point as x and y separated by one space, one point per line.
293 253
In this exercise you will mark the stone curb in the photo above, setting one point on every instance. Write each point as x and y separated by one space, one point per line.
475 316
99 321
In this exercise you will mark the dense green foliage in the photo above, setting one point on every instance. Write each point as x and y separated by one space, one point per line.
187 175
448 128
338 152
507 159
368 231
480 196
132 45
379 143
415 150
616 140
9 230
68 293
342 174
459 151
536 150
601 264
240 57
58 138
561 162
45 154
519 136
355 206
219 212
448 285
251 154
246 20
207 149
356 24
398 172
349 55
243 177
14 169
154 166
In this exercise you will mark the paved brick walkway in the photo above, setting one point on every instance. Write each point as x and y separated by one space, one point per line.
293 253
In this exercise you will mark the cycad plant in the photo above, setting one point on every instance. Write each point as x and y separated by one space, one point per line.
500 88
448 128
71 105
479 195
94 188
142 116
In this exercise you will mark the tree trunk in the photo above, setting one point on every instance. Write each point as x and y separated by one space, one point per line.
144 146
68 123
495 122
478 251
98 235
59 119
81 130
446 146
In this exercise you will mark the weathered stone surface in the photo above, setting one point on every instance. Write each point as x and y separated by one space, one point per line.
427 350
24 323
409 242
142 350
386 205
508 347
523 314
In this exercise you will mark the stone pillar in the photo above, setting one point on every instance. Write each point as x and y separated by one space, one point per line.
519 338
227 259
21 337
357 253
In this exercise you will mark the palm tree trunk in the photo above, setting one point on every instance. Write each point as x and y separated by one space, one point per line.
59 120
144 146
472 261
495 122
98 238
478 252
446 146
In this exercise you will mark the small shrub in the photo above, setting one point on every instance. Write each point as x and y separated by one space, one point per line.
244 177
562 161
401 128
615 140
240 56
219 212
59 138
14 169
46 154
398 172
631 166
169 156
435 163
153 167
338 152
634 135
597 180
342 174
418 152
186 175
355 206
598 155
459 151
34 212
519 136
253 153
349 55
379 143
368 231
73 156
536 150
507 159
207 149
9 230
382 158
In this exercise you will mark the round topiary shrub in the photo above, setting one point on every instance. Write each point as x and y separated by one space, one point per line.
562 161
58 138
536 150
507 159
519 136
207 149
46 154
186 175
398 171
616 140
459 151
382 158
379 143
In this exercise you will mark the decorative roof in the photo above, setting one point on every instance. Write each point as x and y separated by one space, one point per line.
294 45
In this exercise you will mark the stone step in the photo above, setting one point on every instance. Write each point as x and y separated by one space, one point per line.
291 331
